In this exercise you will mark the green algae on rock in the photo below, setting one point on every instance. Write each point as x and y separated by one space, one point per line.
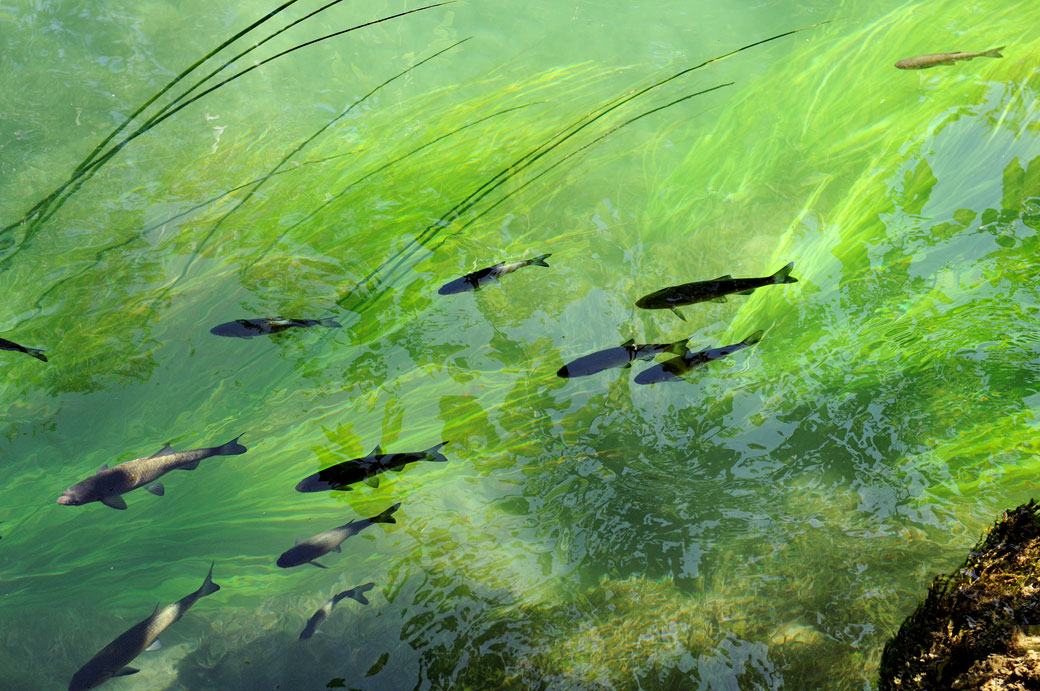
975 629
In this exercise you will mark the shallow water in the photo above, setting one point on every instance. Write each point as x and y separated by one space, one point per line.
765 524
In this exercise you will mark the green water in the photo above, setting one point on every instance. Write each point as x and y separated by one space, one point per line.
766 524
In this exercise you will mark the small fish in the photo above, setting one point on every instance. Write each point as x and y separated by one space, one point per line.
619 356
11 345
477 279
325 610
247 328
306 551
671 370
113 659
366 469
923 62
107 484
714 290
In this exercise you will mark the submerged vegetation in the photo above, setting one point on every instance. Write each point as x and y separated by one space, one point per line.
764 523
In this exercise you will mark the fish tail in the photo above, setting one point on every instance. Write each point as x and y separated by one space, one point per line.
232 448
208 586
784 275
387 516
358 593
679 347
540 260
753 338
433 453
994 53
330 323
36 353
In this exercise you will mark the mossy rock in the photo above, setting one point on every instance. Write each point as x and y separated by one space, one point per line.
975 630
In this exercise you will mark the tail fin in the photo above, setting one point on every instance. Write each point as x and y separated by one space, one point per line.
539 261
387 516
784 275
330 323
679 347
208 586
753 338
232 448
357 593
36 353
995 53
433 453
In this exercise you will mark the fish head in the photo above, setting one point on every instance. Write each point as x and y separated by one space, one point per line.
74 496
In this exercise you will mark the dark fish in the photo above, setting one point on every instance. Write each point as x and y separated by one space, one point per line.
714 290
11 345
247 328
619 356
306 551
113 659
366 469
922 62
107 484
477 279
325 610
671 370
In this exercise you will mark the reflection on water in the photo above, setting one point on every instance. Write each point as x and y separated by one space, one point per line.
764 523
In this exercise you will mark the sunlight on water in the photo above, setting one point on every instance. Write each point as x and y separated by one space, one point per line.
766 523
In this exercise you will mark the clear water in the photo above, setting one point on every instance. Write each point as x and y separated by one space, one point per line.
766 524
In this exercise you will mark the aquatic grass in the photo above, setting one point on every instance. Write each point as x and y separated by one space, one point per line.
45 209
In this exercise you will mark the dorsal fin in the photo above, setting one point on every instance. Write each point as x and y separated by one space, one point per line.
723 278
164 451
629 342
101 469
378 451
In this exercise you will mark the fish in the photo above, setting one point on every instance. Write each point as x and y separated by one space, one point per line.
306 551
11 345
715 290
325 610
477 279
365 469
619 356
108 484
247 328
114 658
671 370
923 62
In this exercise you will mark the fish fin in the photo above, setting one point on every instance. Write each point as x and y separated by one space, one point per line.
387 516
723 278
994 53
115 501
679 347
721 298
298 541
745 292
101 469
398 469
378 451
156 488
38 352
540 260
784 275
126 671
433 453
314 563
358 593
189 466
677 313
232 448
337 549
208 587
629 342
372 481
627 365
156 645
164 451
753 338
330 323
